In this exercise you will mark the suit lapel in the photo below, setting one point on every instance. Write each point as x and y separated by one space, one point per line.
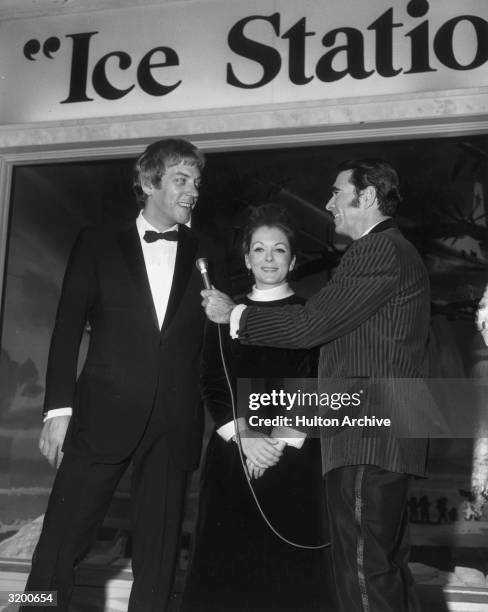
130 246
184 265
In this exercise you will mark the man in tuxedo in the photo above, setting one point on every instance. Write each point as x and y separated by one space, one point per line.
137 398
371 321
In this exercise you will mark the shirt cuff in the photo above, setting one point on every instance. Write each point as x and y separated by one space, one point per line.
235 319
50 414
289 436
228 431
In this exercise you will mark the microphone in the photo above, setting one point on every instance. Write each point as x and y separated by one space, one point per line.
202 266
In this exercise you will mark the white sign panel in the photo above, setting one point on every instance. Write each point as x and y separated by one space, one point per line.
217 54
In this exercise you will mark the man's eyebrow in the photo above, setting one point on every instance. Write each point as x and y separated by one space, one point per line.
187 175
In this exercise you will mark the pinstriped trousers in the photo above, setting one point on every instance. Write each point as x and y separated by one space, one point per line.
368 522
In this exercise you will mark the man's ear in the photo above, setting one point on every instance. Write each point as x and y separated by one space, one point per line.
367 197
147 188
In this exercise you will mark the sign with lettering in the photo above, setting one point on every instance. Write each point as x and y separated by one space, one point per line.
218 54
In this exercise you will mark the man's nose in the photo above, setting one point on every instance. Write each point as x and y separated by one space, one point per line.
193 189
330 204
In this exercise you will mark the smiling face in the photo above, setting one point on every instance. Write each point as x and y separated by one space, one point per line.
269 257
175 199
345 206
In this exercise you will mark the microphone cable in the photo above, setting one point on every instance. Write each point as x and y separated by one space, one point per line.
243 462
202 266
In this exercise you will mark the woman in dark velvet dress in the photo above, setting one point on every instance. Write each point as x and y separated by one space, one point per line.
239 564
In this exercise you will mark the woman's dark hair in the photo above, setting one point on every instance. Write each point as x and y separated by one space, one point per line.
379 174
269 215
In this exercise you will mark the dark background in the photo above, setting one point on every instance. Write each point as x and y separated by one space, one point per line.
441 213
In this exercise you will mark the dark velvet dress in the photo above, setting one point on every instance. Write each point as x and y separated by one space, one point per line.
239 564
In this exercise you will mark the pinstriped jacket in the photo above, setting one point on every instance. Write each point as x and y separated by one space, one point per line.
371 321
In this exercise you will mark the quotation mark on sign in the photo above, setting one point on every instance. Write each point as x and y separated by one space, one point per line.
33 46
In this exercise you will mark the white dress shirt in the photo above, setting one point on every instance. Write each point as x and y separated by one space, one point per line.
160 258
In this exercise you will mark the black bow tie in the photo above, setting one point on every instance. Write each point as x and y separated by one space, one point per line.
151 236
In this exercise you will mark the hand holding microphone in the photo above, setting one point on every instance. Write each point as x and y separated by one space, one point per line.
218 305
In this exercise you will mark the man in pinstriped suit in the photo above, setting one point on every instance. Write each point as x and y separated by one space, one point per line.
371 321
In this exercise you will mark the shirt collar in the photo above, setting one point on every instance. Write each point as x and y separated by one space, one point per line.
269 295
374 225
143 225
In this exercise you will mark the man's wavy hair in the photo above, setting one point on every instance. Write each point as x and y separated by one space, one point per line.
158 156
377 173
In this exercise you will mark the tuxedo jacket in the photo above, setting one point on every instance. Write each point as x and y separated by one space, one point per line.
133 370
371 321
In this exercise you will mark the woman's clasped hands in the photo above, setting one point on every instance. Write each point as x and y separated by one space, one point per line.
261 451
